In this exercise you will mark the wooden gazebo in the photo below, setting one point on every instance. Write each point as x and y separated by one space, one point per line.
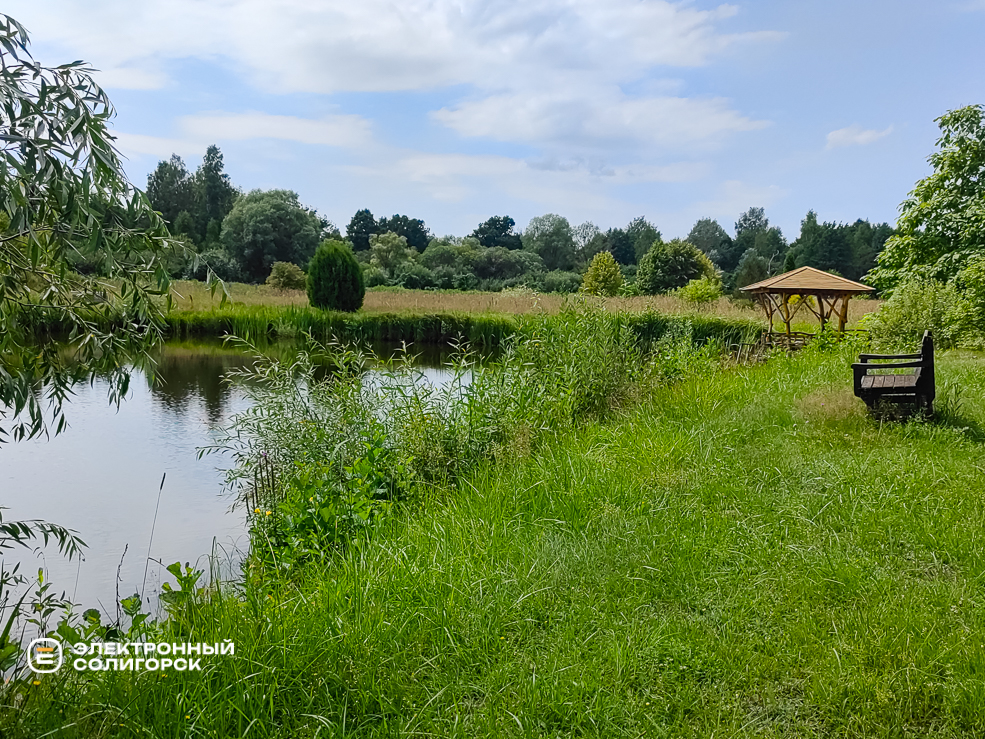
785 295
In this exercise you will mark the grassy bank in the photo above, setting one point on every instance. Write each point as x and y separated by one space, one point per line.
745 553
478 329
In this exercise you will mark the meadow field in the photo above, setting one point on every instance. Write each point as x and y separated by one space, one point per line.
195 296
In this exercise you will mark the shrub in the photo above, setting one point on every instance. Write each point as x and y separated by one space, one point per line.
671 265
414 276
918 305
286 276
603 276
701 291
335 280
373 276
559 281
972 278
225 267
499 263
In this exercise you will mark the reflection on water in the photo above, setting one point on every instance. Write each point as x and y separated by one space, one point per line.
191 374
101 477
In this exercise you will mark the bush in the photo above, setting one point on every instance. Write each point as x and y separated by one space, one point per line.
414 276
500 263
225 267
672 265
972 279
286 276
918 305
373 276
700 292
603 276
335 280
559 281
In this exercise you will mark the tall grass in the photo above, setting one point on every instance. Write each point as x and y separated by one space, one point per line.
481 331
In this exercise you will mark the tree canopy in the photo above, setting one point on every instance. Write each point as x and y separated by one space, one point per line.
643 235
603 276
267 226
64 196
941 226
193 205
709 236
361 226
413 229
668 266
550 237
498 231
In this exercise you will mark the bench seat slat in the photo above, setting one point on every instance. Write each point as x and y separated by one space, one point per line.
889 382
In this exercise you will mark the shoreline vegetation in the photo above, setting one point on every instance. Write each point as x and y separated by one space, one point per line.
483 320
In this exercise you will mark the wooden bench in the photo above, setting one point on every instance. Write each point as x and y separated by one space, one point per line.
881 382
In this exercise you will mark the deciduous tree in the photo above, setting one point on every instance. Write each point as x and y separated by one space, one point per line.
550 237
360 228
267 226
709 236
413 229
64 195
941 226
603 276
498 231
671 265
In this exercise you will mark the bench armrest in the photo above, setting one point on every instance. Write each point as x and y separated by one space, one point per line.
867 357
896 365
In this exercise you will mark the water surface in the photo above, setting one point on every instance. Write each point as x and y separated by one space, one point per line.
102 477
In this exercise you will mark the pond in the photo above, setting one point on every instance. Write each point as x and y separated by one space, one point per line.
102 477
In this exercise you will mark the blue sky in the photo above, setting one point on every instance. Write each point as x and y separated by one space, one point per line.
453 111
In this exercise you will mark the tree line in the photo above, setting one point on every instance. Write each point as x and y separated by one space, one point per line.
243 235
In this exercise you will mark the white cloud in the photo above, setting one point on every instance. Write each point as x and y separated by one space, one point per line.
735 196
606 119
570 187
198 131
336 130
333 45
855 135
542 71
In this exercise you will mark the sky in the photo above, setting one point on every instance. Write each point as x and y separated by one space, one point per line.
453 111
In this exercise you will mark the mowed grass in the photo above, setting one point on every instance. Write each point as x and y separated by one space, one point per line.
747 553
191 295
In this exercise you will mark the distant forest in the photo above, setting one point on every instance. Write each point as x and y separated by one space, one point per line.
242 235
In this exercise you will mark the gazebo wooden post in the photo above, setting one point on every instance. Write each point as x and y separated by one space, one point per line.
843 313
785 302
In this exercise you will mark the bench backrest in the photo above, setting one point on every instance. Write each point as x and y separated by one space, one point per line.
927 357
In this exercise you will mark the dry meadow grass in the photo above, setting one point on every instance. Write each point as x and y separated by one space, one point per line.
195 296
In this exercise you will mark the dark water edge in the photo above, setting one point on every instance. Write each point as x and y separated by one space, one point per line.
102 477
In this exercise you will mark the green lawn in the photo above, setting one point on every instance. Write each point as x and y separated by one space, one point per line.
746 553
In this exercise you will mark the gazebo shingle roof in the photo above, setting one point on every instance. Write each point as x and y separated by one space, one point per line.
807 280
